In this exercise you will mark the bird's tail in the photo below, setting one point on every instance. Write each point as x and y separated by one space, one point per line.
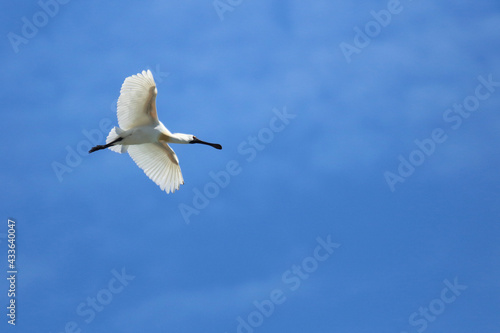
112 136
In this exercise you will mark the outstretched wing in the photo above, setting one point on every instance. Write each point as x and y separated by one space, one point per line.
137 101
159 163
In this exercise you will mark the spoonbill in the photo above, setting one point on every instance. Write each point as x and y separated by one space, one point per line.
143 136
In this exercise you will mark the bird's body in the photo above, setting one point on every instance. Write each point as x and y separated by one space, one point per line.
143 136
140 135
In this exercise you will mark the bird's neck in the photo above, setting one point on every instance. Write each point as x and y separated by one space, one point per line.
180 138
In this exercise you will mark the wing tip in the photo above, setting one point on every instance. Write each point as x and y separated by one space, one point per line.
161 171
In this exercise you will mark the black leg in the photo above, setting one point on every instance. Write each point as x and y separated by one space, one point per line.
99 147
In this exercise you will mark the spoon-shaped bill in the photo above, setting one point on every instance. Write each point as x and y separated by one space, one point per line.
215 145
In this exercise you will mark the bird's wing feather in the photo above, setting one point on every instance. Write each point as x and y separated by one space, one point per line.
137 101
159 163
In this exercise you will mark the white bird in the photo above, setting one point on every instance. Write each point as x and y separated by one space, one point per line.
143 136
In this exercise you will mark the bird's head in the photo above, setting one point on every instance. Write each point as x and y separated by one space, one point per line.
189 138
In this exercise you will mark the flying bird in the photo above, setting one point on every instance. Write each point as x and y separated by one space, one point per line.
143 136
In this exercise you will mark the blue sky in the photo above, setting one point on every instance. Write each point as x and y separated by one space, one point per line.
372 208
